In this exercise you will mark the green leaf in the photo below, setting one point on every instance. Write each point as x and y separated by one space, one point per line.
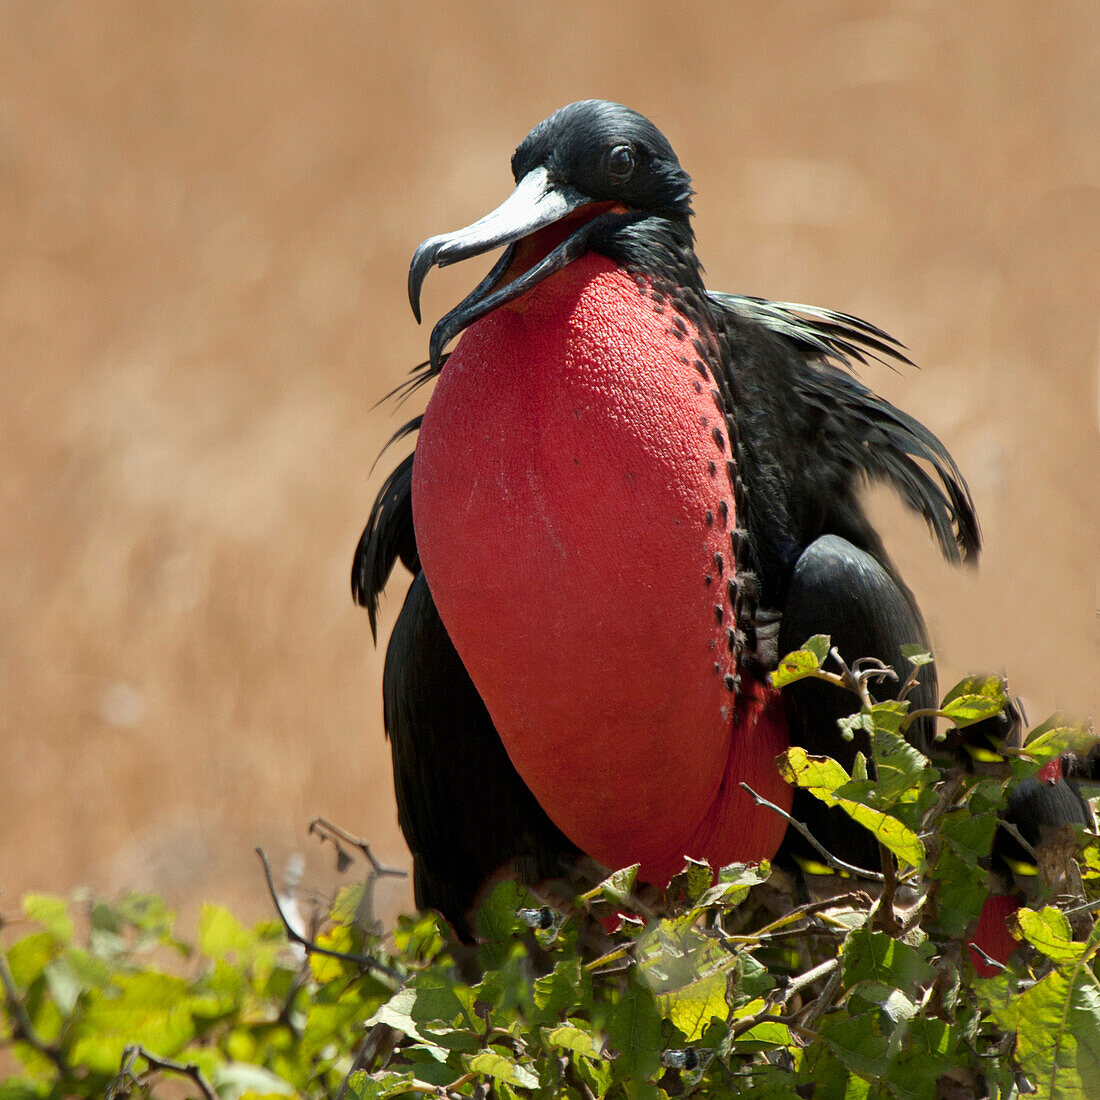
147 1008
52 913
418 937
878 957
594 1072
492 1064
235 1079
616 888
857 1042
497 923
378 1086
962 891
573 1037
28 957
889 715
560 989
634 1029
766 1035
916 655
975 699
340 937
687 972
1048 930
691 883
221 934
900 766
1056 736
856 724
822 776
733 885
64 984
969 834
802 662
1057 1022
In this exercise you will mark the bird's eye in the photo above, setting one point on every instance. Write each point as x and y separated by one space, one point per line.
620 163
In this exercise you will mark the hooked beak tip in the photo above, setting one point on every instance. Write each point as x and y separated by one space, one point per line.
422 261
435 348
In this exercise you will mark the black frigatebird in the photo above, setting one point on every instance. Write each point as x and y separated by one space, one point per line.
628 497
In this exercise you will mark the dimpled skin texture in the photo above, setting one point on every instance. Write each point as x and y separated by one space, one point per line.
566 496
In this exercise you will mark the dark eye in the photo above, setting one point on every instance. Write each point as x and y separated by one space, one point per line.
620 163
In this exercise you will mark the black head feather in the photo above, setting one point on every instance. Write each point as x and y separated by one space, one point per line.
610 153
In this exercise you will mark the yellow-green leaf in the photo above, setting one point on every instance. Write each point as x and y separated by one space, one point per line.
569 1037
1048 930
492 1064
821 776
52 913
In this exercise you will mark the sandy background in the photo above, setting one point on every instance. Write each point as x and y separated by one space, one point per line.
206 213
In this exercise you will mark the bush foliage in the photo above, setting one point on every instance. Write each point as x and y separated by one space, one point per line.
721 986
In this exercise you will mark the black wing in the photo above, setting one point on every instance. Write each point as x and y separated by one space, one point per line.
809 435
842 591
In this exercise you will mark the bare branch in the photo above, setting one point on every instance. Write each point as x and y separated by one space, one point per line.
326 830
365 962
131 1053
335 835
835 862
1015 834
822 1003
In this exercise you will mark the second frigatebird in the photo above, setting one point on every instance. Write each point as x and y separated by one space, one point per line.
628 497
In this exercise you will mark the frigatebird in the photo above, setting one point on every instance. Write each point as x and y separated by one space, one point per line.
630 495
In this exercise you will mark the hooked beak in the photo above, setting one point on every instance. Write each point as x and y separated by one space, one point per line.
536 203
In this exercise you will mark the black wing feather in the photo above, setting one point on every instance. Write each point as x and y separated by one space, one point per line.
810 434
819 331
840 590
389 535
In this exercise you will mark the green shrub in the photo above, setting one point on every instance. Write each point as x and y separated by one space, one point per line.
866 994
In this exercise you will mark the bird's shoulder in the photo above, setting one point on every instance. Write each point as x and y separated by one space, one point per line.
812 432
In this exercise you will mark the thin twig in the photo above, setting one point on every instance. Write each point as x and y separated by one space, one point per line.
731 943
22 1026
1088 906
885 904
911 682
821 1004
988 959
796 985
812 907
334 834
1015 834
612 956
189 1069
833 861
366 962
326 830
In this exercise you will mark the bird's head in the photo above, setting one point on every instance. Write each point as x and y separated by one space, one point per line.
594 175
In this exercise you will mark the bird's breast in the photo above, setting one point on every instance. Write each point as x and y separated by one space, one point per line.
573 513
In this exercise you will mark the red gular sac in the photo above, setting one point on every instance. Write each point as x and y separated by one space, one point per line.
571 427
993 936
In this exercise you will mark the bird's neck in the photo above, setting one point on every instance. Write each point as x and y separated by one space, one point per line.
573 509
661 248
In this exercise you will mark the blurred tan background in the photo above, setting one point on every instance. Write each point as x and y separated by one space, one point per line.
206 213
